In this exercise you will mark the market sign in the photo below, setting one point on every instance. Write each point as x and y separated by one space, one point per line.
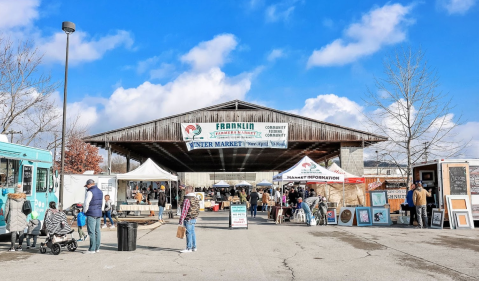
396 194
235 135
238 217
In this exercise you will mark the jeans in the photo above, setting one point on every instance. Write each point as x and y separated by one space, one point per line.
253 209
14 238
93 227
29 236
412 215
264 207
190 234
107 214
160 213
422 216
307 212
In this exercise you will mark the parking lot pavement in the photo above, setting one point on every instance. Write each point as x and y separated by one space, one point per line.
264 251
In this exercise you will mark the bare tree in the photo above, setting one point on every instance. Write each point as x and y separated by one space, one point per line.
411 112
25 92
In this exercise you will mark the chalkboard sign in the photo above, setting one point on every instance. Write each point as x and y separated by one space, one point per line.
27 179
458 180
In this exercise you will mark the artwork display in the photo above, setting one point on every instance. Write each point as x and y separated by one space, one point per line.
462 219
437 219
381 216
379 198
346 216
331 216
363 216
459 203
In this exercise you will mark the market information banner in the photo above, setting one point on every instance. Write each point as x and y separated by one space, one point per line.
238 217
235 135
457 180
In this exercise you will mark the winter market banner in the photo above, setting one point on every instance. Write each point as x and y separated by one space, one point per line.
235 135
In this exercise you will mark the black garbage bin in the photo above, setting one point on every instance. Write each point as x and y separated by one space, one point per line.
126 233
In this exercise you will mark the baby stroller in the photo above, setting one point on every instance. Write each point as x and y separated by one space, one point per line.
58 231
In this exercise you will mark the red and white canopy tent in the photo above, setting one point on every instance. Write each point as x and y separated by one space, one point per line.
310 171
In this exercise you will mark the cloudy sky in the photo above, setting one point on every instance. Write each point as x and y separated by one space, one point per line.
134 61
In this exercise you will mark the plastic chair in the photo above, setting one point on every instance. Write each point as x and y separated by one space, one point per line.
280 217
299 215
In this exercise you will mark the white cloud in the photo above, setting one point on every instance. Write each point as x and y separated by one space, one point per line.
457 6
165 70
82 48
210 54
18 13
380 27
333 109
280 11
275 54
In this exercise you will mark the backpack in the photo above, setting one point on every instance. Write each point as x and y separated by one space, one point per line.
81 219
26 208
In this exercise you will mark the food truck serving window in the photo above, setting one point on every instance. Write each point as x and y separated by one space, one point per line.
42 179
9 170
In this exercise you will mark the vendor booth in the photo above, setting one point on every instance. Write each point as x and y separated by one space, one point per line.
147 172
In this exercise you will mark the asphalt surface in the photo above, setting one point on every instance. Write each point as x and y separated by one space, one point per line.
264 251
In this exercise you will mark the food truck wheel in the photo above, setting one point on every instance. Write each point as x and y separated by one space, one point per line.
56 249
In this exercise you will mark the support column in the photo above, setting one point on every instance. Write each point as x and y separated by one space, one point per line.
128 164
109 159
351 158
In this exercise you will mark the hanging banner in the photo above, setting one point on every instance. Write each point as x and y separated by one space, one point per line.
235 135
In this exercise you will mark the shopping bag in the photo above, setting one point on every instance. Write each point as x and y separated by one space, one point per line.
180 232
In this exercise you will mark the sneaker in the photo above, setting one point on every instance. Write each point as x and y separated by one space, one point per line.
104 226
80 240
186 251
28 247
12 250
85 237
194 249
89 252
33 247
112 226
418 227
19 248
97 251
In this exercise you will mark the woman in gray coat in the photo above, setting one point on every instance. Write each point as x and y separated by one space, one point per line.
16 219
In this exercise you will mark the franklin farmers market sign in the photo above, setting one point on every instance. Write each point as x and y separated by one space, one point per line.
235 135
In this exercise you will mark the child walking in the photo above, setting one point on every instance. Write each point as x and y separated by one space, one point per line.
34 227
81 221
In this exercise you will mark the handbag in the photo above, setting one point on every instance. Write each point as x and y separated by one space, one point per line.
180 232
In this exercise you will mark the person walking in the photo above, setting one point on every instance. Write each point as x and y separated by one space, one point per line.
190 210
34 227
161 203
15 218
107 212
92 207
253 199
242 196
410 204
420 201
265 200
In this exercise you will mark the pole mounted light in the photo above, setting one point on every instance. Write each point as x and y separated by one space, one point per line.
68 28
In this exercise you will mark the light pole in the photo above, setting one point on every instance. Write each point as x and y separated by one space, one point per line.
68 27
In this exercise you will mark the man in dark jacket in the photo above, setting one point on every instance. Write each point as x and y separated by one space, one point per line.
161 203
254 197
92 208
293 197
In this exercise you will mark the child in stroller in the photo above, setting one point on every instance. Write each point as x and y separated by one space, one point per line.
57 229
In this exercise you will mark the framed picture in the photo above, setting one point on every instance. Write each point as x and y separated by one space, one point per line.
363 216
462 220
331 216
381 216
346 216
437 218
378 198
457 203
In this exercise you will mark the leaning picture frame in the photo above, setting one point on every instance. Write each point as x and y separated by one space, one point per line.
437 218
331 216
378 198
346 216
381 216
461 219
363 216
457 203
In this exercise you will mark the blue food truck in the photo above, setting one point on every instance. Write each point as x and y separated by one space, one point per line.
31 167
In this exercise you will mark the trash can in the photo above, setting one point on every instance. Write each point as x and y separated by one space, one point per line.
126 234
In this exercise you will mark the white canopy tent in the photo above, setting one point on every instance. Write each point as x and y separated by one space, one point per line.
308 170
264 183
221 184
243 183
149 171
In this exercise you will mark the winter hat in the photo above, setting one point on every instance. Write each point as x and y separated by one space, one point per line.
162 187
34 215
18 189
